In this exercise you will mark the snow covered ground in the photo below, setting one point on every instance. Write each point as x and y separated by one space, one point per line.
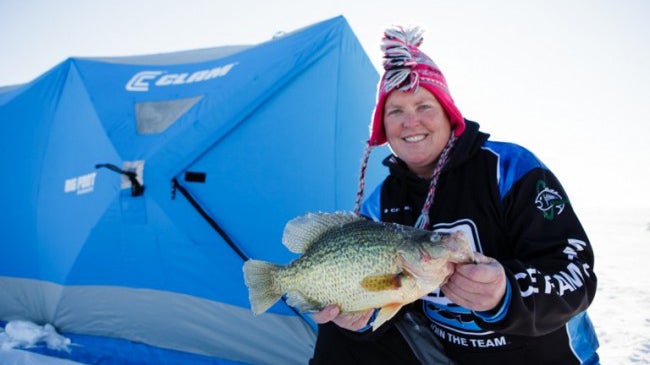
621 310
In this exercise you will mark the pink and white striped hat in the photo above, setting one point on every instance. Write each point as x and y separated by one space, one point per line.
406 69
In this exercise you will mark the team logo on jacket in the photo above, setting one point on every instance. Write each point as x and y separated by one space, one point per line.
549 201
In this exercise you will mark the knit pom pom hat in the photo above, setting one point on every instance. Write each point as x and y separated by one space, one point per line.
406 69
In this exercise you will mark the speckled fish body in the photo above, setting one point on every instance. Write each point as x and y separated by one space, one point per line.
356 264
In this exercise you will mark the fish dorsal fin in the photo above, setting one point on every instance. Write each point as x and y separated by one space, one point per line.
301 232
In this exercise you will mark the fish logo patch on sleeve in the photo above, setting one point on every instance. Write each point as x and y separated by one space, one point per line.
549 201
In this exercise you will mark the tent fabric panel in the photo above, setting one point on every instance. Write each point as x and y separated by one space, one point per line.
28 299
166 320
232 98
243 193
298 177
71 198
23 140
166 258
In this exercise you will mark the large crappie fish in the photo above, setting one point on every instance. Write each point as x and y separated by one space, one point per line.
356 264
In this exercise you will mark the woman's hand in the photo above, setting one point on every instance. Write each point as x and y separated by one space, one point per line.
479 287
351 321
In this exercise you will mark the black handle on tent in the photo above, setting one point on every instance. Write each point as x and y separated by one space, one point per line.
137 189
222 233
206 216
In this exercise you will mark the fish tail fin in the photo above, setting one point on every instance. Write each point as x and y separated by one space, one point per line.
263 291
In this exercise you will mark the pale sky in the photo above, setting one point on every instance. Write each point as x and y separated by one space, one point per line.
568 79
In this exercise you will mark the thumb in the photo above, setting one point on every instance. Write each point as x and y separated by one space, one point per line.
479 258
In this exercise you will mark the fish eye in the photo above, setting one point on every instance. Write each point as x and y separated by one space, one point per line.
435 237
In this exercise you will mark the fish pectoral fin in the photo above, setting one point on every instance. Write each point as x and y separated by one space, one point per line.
382 282
385 313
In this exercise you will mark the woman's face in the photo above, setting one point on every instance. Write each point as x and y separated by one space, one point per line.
417 129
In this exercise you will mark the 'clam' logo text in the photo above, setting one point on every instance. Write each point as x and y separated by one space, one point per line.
142 80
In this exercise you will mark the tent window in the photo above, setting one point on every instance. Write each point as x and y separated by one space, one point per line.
155 117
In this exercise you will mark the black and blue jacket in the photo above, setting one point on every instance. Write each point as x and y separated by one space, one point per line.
515 210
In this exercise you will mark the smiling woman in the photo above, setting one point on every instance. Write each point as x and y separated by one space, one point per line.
527 293
417 129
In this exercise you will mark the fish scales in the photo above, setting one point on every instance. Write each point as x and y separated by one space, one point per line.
348 254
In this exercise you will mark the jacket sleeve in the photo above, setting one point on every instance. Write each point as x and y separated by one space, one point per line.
548 261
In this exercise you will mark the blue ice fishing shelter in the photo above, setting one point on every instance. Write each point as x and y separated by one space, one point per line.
134 188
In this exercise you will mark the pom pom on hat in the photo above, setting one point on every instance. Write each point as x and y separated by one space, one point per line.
408 68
